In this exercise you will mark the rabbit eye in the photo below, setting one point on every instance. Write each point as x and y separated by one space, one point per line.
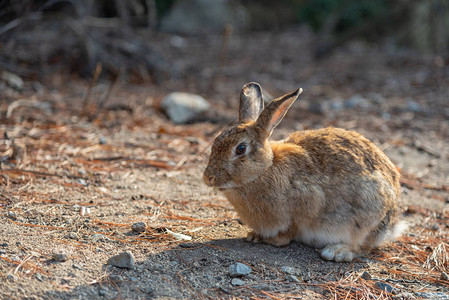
240 149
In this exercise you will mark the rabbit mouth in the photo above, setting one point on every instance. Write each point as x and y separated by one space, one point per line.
227 186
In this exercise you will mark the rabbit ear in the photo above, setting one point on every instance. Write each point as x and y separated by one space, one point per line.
251 102
275 111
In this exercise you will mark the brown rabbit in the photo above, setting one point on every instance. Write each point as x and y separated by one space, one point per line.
329 188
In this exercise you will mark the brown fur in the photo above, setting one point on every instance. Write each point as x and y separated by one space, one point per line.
329 188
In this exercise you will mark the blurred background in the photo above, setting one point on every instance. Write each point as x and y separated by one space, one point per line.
383 57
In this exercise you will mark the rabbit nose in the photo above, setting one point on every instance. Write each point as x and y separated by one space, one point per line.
209 180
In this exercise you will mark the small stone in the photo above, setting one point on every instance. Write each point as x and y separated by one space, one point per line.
237 282
60 256
435 227
123 260
102 291
98 237
444 276
4 245
72 235
366 275
184 107
385 287
82 181
78 267
102 140
139 227
290 270
292 278
12 80
11 215
38 277
239 270
186 245
11 277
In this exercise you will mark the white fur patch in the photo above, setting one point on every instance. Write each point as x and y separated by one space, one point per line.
321 237
392 233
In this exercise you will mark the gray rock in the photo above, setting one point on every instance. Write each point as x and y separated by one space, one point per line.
184 107
11 277
237 281
139 227
60 256
432 295
98 237
290 270
12 80
366 275
386 287
72 235
239 270
123 260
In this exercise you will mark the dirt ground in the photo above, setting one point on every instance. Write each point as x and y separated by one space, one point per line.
74 187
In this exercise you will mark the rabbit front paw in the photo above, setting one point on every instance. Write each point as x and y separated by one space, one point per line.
338 252
278 240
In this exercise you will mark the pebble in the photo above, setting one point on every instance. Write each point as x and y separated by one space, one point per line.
82 181
139 227
385 287
60 256
239 270
11 215
290 270
183 107
292 278
237 281
98 237
11 277
123 260
38 277
12 80
366 275
72 235
4 245
78 267
432 295
435 227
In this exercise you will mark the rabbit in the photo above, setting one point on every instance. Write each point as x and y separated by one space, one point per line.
329 188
